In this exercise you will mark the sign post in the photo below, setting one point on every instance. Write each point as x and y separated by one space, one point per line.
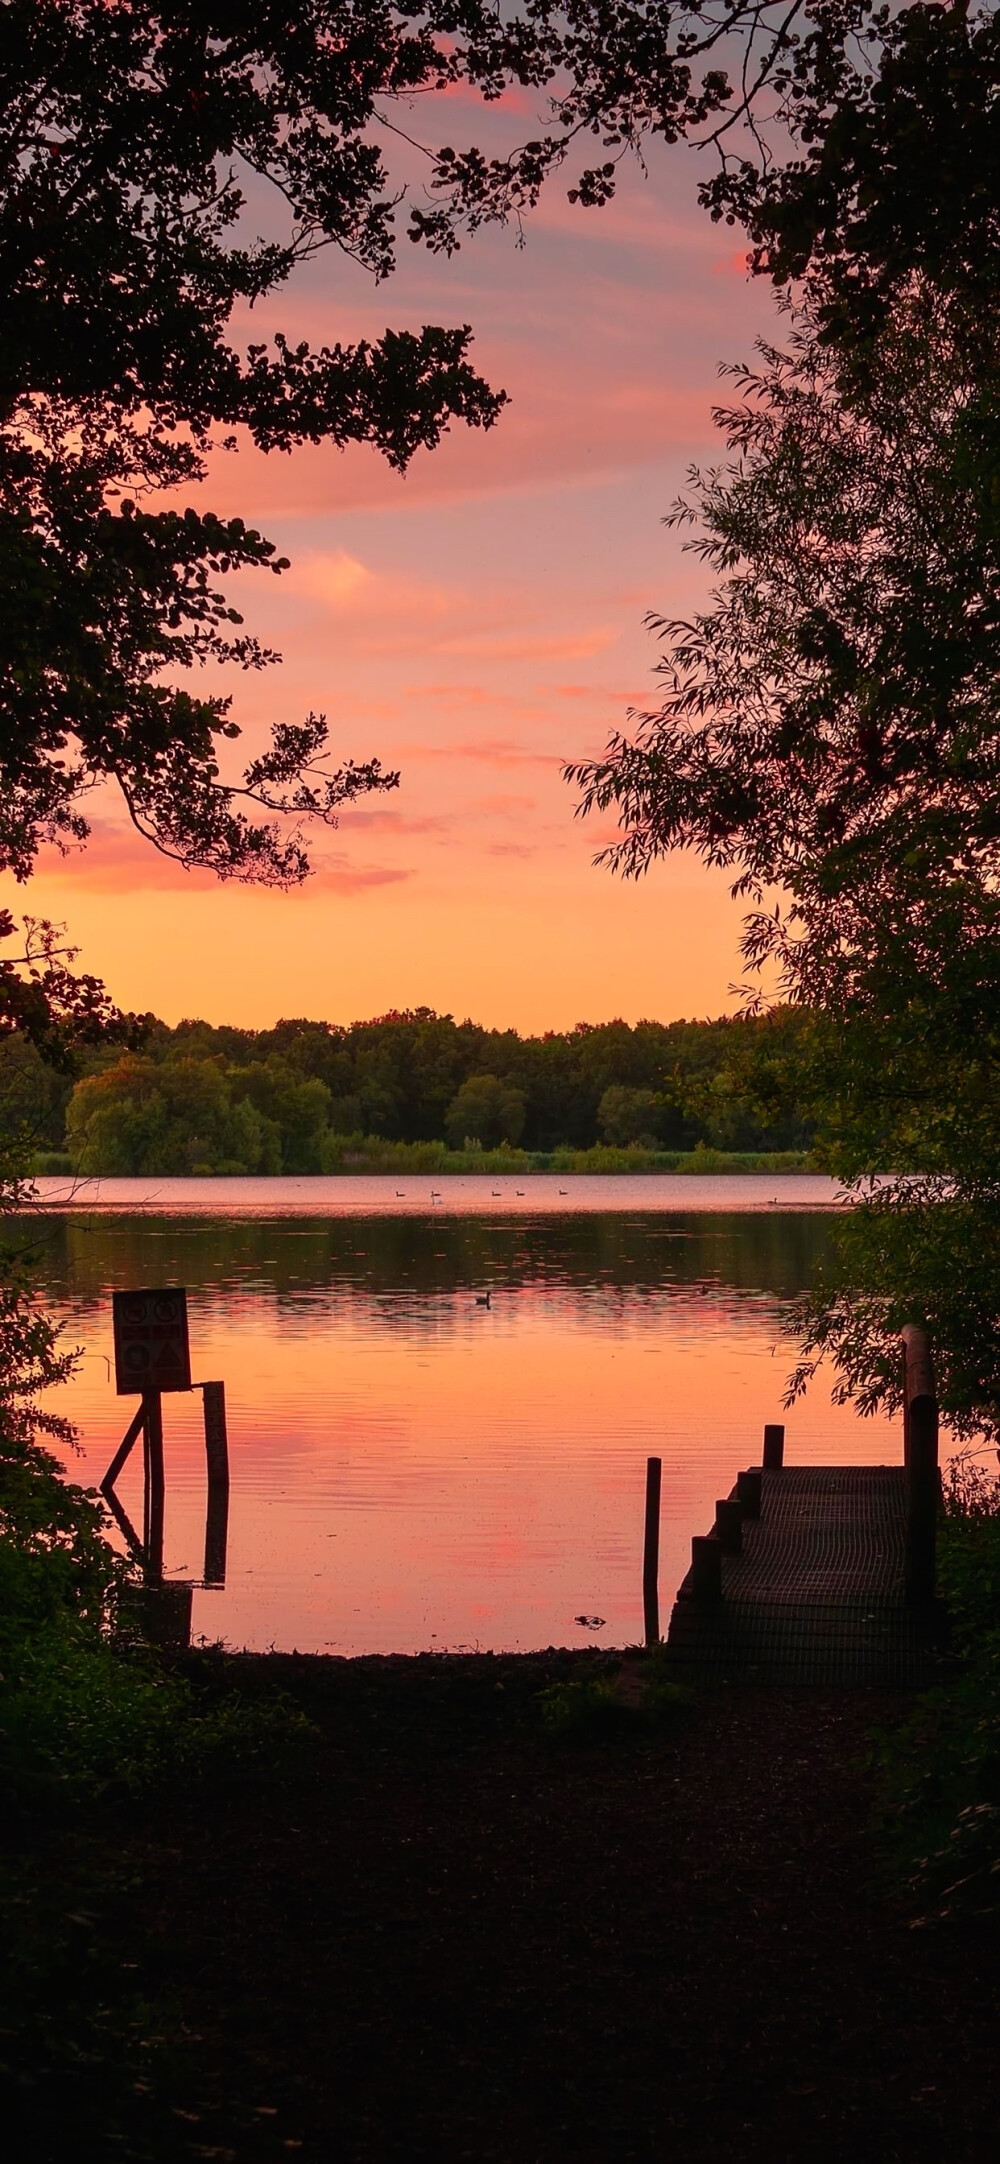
152 1356
151 1341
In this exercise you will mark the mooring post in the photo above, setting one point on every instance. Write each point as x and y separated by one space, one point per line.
152 1427
217 1460
748 1488
774 1448
920 1457
216 1438
729 1524
706 1567
651 1553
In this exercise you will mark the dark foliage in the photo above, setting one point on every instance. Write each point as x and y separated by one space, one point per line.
131 134
203 1098
941 1771
895 118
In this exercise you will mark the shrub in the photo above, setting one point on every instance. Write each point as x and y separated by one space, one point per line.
941 1773
80 1718
621 1699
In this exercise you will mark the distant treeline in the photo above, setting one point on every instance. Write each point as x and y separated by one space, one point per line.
314 1097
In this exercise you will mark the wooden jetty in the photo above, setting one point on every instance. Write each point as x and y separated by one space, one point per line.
820 1574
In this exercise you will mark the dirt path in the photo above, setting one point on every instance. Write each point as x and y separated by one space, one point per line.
450 1938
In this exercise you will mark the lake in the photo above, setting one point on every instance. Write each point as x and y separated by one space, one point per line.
413 1469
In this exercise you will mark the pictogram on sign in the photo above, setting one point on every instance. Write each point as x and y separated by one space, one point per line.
151 1340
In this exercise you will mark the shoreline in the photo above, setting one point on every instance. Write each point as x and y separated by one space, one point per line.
482 1194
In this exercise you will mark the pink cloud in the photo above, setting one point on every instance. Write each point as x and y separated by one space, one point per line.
513 648
495 752
343 584
574 430
505 805
117 860
515 99
391 822
337 875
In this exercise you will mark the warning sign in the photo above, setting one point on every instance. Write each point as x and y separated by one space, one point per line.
151 1340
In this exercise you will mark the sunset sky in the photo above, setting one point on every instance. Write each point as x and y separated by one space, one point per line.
474 624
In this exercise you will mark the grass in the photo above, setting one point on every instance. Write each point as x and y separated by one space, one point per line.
371 1153
353 1154
619 1698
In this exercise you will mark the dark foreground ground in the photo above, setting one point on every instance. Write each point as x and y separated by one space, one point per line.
445 1936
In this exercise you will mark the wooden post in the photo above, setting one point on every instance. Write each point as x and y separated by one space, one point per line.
706 1567
216 1438
152 1407
920 1450
729 1524
651 1553
748 1488
217 1458
774 1448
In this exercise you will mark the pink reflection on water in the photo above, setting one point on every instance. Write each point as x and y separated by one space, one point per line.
413 1472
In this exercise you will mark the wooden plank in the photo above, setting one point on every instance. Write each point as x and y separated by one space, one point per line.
124 1450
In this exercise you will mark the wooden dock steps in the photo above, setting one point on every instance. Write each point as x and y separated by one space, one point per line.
816 1594
821 1574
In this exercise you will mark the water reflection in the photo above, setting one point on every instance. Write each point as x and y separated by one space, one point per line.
412 1468
163 1610
394 1259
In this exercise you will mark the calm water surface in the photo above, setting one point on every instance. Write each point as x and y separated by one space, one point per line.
411 1469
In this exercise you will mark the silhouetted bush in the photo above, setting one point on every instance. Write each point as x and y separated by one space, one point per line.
941 1773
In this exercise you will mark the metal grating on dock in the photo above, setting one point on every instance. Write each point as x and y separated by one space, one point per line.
817 1594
